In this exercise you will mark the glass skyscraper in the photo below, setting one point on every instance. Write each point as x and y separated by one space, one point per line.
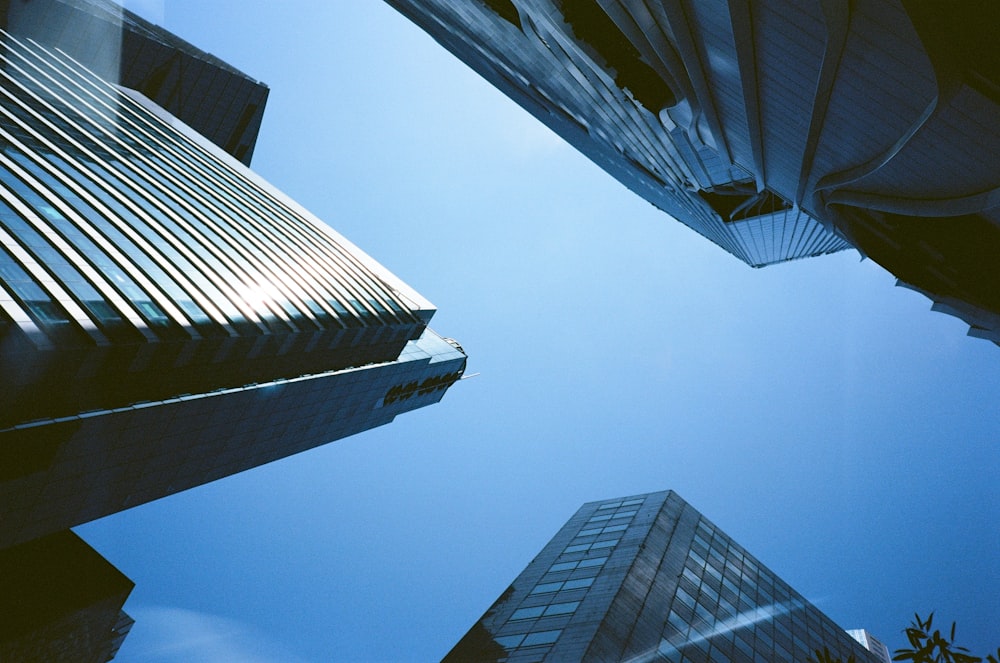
590 72
211 96
167 317
647 578
776 129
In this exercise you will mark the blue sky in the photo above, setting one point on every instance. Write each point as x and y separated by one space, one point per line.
828 421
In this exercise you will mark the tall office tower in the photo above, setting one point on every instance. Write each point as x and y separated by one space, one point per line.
209 95
60 602
168 318
648 578
871 643
777 129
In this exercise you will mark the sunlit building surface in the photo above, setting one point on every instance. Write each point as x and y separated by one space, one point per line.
60 602
647 578
168 318
871 643
776 129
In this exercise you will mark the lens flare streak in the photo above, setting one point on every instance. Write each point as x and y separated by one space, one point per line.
742 620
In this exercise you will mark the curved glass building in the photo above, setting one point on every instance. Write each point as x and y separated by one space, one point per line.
776 129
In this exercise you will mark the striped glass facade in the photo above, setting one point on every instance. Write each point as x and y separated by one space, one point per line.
120 230
647 578
166 316
212 97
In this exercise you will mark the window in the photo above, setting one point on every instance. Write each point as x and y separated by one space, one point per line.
680 623
547 587
619 527
597 545
561 608
541 638
528 613
509 641
709 591
578 583
582 564
556 586
594 561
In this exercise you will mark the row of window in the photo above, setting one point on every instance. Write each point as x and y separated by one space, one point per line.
578 545
586 547
528 639
561 586
594 531
580 564
621 503
609 516
170 230
731 575
549 610
20 108
722 638
720 584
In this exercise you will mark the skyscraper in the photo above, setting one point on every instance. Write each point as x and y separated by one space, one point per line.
167 317
209 95
871 643
648 578
776 129
571 65
60 602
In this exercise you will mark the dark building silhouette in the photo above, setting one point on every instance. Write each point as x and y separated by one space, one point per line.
168 318
776 129
60 602
649 579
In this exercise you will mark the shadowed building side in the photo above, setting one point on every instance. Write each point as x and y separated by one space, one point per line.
57 473
61 602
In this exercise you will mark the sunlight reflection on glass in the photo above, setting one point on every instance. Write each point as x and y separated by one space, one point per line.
744 619
261 297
